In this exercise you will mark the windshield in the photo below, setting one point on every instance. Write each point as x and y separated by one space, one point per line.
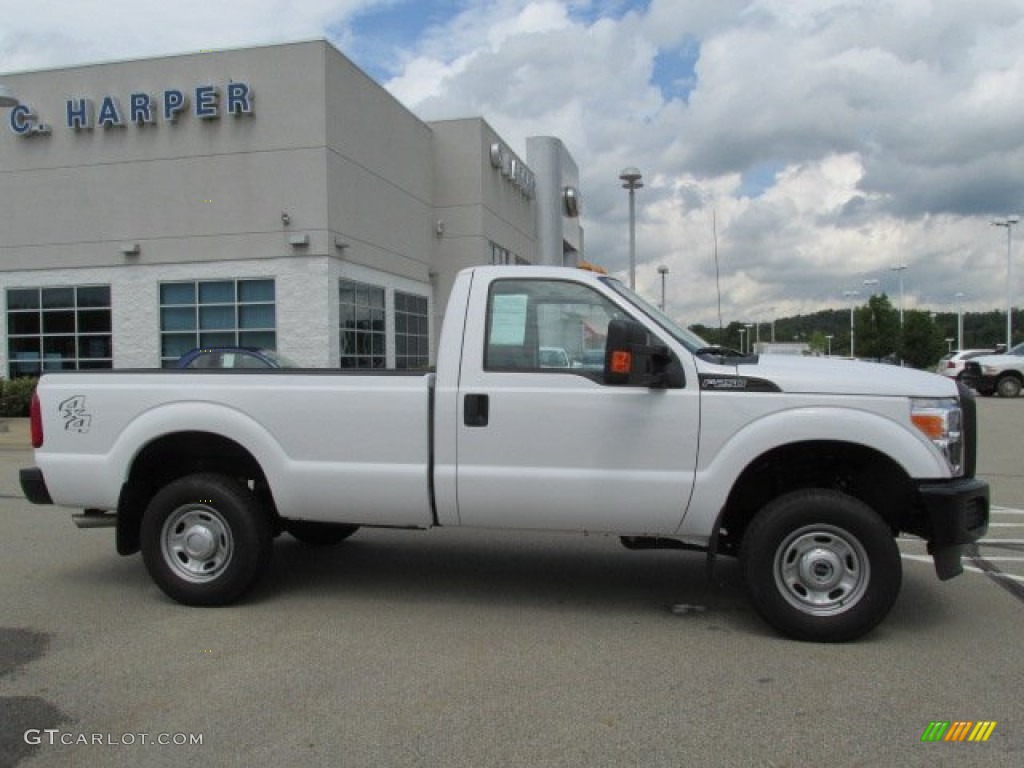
684 336
280 360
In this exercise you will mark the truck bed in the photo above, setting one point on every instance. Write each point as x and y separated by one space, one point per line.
335 446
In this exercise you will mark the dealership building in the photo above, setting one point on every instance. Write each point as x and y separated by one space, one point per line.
265 197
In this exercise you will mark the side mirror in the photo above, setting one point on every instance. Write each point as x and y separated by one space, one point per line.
631 362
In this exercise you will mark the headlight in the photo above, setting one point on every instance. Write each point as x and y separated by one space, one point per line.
941 421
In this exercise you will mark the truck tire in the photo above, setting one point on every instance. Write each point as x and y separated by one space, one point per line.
205 539
820 565
1008 386
319 534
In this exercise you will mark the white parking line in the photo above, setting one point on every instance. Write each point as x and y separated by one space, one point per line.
1006 525
971 568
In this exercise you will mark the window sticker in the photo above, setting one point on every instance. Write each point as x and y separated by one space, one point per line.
508 320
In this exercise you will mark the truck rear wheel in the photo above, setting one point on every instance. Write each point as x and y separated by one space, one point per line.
820 565
205 539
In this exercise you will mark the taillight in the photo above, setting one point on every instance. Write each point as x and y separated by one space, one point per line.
35 422
951 364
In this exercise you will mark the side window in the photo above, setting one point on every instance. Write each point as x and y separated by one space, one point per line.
552 326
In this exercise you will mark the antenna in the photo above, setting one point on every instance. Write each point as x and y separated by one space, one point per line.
718 283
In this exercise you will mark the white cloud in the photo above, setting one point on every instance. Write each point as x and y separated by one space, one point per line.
896 129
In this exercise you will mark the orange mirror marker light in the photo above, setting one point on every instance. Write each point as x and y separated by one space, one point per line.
622 361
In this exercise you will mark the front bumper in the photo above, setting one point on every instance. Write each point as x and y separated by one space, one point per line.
33 485
979 382
957 514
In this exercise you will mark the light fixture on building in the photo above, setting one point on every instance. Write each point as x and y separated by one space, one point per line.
298 241
439 228
7 99
131 249
340 244
571 202
285 218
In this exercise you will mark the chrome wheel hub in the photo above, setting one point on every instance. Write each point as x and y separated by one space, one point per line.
821 570
196 542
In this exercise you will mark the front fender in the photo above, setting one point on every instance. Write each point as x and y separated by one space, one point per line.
724 454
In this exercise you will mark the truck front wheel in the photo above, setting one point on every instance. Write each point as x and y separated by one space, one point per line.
820 565
205 539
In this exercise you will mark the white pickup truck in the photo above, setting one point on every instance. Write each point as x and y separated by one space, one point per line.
805 470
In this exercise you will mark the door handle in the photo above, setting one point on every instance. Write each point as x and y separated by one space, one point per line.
476 410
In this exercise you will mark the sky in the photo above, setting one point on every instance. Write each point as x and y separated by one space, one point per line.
811 144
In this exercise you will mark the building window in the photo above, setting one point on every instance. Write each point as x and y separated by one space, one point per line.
216 313
58 329
500 256
361 320
412 331
505 257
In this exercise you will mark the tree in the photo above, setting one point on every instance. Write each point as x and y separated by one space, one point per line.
818 343
877 325
922 342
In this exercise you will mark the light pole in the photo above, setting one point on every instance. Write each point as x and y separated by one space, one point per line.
742 331
750 337
871 283
949 344
851 295
960 320
828 339
662 270
901 268
1008 222
630 178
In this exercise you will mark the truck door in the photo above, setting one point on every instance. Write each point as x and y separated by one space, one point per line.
543 442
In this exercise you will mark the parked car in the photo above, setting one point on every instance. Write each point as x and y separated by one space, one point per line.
553 357
952 365
1002 374
591 360
233 357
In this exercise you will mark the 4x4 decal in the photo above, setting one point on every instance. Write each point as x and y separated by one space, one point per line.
76 419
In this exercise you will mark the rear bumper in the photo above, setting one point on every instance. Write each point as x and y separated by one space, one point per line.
957 513
33 485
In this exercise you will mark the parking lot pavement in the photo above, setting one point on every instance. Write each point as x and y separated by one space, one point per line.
999 556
